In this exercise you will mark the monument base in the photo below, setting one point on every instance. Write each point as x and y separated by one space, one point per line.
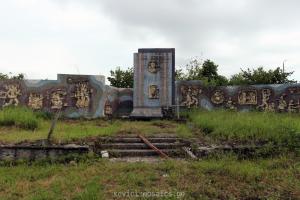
146 113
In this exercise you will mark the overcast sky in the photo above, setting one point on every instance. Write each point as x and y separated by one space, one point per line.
44 37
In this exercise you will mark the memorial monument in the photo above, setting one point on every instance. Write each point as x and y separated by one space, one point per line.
154 84
153 94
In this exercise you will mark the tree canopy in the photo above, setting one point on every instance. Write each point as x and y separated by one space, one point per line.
121 78
261 76
207 72
10 76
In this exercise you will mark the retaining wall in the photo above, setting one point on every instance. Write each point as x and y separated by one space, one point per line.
13 153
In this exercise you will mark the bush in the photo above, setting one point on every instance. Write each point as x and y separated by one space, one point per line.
44 115
21 117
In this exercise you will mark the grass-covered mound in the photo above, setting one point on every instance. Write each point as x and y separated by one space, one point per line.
249 126
20 117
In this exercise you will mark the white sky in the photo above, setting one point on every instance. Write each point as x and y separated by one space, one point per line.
42 38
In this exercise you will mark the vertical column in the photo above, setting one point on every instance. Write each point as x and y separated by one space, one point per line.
141 80
154 70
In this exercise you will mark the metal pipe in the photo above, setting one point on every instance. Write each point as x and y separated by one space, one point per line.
162 154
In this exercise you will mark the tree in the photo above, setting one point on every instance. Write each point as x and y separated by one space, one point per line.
209 70
261 76
3 76
206 72
179 74
10 76
194 68
121 78
18 77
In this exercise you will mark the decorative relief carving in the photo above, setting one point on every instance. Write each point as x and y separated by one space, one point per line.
218 97
190 96
266 94
271 107
153 92
82 95
108 108
293 107
11 95
35 101
57 98
294 90
230 104
153 66
247 97
282 104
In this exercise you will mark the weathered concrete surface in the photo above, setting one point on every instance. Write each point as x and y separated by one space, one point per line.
75 95
19 152
271 98
154 73
87 96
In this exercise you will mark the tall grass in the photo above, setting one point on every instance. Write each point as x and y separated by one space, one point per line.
20 117
249 126
224 178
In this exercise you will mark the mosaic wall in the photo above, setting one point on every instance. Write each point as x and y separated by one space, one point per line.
271 98
75 95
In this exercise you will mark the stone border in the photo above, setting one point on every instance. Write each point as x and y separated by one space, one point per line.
22 152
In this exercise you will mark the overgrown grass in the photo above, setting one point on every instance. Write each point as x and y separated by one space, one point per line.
20 117
16 125
225 178
68 130
218 177
249 126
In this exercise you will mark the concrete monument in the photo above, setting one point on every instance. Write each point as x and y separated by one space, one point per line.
154 84
153 93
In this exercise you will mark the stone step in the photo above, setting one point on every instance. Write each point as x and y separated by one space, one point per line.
143 152
106 146
138 140
159 135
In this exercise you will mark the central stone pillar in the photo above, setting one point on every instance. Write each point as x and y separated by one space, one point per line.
154 82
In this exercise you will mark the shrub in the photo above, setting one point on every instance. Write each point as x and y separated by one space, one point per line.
21 117
44 115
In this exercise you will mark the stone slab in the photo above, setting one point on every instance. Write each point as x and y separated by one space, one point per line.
154 73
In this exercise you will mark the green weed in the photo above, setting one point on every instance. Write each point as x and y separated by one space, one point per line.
214 178
20 117
282 129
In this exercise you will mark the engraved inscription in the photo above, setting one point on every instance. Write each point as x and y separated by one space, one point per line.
82 95
57 98
11 95
35 101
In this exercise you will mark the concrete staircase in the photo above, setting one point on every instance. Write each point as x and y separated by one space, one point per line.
133 146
